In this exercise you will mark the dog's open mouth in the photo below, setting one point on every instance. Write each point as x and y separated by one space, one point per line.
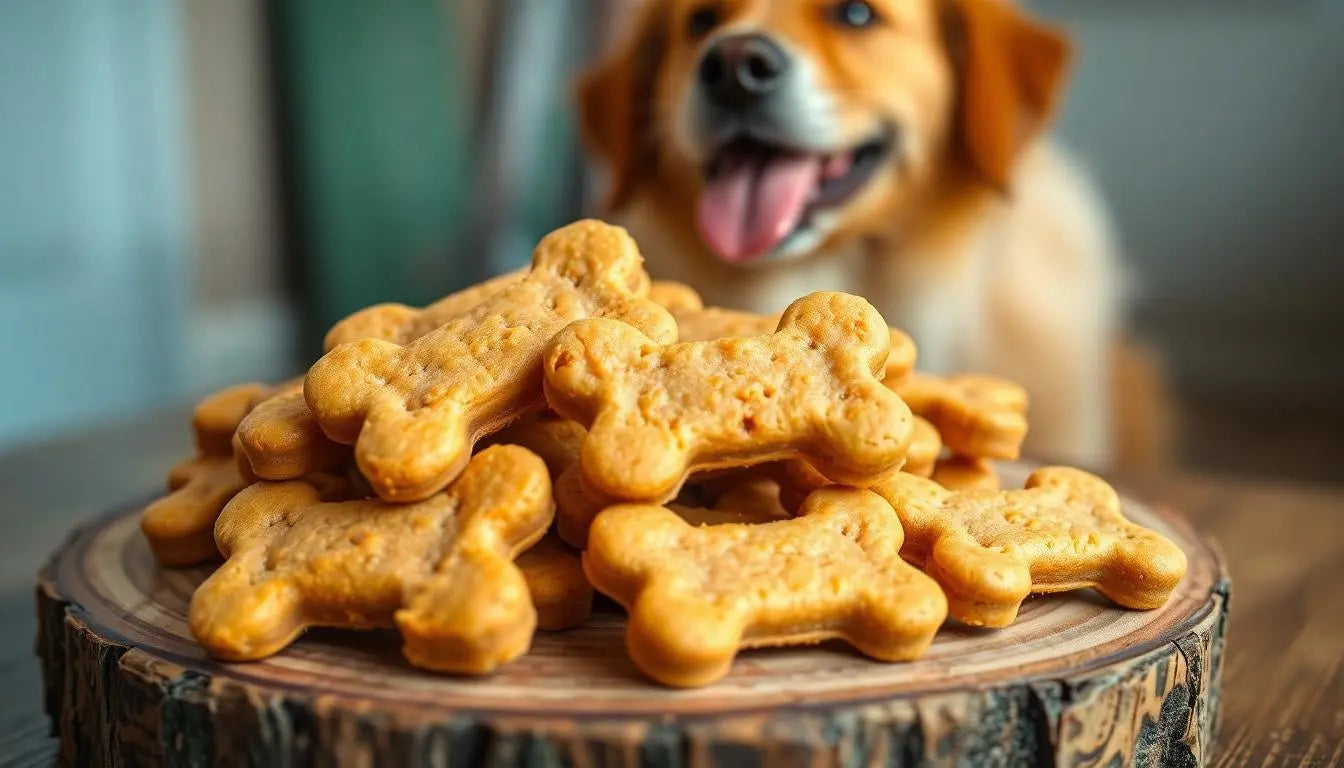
756 195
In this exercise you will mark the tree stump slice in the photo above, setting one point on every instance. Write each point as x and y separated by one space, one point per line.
1076 681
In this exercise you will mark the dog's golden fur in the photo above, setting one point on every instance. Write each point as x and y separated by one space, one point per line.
979 237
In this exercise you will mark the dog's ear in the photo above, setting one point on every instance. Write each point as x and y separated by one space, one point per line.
1010 76
615 100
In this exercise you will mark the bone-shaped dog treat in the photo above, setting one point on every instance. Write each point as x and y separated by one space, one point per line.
282 441
711 323
401 324
554 438
442 570
414 412
560 591
962 473
983 417
674 297
990 549
655 413
180 526
696 595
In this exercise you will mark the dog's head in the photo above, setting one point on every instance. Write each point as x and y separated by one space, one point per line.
791 125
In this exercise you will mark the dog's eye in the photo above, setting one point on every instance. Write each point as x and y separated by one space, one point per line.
853 13
702 21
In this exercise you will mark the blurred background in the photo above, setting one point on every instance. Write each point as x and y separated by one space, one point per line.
191 192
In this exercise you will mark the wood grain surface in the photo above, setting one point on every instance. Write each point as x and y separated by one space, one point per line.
1283 680
1075 681
1283 676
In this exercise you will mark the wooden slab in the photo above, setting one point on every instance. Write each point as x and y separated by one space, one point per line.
1076 681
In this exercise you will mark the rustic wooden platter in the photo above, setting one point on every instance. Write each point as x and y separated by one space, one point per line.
1076 681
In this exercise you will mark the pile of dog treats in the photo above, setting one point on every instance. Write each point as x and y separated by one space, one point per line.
469 472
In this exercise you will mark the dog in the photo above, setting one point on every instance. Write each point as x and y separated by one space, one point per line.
764 149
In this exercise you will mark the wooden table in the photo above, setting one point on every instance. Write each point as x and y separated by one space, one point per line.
1283 684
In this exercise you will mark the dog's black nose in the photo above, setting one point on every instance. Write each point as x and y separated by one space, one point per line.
740 69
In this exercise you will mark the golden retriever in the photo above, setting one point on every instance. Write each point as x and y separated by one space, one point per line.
763 149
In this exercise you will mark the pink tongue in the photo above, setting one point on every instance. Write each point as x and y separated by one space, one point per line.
755 202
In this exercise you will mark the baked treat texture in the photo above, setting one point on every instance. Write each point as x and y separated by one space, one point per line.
440 570
414 411
697 594
1063 531
657 412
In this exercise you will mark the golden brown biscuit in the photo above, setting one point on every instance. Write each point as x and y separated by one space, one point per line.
711 323
554 438
180 526
401 324
674 297
282 441
560 591
990 549
414 412
655 413
214 419
285 439
696 595
983 417
442 570
961 473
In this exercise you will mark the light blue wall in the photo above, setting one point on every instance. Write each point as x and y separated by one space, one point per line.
93 216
